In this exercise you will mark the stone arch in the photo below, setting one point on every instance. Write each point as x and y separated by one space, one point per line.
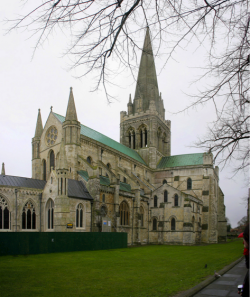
44 169
5 214
51 158
49 214
124 213
109 166
89 160
172 221
80 215
154 224
143 136
29 215
189 184
176 200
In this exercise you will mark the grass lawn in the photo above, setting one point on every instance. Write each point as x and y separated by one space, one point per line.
143 271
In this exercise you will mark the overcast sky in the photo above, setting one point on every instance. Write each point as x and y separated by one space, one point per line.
44 81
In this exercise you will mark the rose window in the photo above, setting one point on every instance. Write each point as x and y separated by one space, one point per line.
51 135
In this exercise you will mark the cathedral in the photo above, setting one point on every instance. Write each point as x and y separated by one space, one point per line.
84 181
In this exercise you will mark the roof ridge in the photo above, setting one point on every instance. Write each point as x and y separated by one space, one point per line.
23 177
108 138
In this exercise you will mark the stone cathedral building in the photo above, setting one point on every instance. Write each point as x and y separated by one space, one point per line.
83 181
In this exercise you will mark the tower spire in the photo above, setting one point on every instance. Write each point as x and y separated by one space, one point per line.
71 109
147 85
39 125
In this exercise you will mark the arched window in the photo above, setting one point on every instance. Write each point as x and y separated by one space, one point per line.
89 160
165 196
29 216
4 214
142 216
79 216
141 142
154 224
164 182
189 183
44 169
52 160
146 138
124 213
155 201
109 166
124 180
176 200
173 224
103 197
50 214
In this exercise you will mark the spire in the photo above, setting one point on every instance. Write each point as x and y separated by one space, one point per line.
71 109
39 125
3 169
62 164
147 85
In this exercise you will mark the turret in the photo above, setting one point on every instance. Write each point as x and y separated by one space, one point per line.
36 166
71 133
62 171
130 106
3 169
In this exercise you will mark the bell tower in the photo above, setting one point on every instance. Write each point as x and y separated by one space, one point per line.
143 127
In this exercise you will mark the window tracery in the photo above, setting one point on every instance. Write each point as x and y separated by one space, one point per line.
79 216
4 214
124 213
29 216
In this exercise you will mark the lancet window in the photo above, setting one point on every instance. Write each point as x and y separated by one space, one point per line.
79 216
143 137
4 214
29 216
173 224
124 213
52 160
189 183
50 214
176 198
44 169
155 201
165 196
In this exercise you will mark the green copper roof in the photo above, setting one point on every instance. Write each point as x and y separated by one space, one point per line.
104 181
84 174
86 131
181 160
125 187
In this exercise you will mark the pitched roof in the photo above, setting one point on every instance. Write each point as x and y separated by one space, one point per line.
77 189
24 182
84 174
181 160
86 131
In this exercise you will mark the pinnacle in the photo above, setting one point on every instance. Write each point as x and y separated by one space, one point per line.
39 125
3 169
71 109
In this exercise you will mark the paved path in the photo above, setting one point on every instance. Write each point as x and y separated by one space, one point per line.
227 284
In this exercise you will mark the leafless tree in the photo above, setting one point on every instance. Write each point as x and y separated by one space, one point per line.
101 29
